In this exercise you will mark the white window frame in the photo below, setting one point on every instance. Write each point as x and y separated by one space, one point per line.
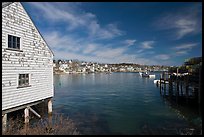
29 80
21 41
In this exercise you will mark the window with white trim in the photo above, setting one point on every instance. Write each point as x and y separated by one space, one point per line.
23 80
13 42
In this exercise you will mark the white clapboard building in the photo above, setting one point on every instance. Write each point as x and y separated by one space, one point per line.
27 61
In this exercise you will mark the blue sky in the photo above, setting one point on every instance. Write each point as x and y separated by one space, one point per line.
152 33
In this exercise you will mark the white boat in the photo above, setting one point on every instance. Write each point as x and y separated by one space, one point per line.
147 74
140 73
152 76
158 81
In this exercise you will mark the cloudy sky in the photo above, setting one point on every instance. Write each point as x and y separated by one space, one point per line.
152 33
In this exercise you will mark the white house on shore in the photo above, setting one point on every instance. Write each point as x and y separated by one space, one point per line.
27 62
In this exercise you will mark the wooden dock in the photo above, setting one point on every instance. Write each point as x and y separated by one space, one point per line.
181 88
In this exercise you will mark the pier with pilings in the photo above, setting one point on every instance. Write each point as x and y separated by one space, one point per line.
181 87
28 109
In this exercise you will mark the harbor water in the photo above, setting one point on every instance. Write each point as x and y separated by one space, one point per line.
119 103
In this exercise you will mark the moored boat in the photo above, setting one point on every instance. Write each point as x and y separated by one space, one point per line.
140 73
152 76
158 81
145 75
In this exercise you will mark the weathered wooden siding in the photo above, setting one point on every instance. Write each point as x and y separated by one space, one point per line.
35 58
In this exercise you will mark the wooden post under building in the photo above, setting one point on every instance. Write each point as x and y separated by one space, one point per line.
50 107
26 115
50 113
4 123
26 119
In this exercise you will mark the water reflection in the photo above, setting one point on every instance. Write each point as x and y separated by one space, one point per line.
120 103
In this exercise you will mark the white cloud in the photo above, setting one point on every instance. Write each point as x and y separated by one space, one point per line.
119 59
183 49
77 18
112 56
130 42
162 57
147 44
70 47
141 50
64 12
185 27
186 21
58 41
185 46
110 52
108 32
90 48
181 52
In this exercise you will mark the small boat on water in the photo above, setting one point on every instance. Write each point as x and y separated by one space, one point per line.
152 76
146 74
140 73
158 81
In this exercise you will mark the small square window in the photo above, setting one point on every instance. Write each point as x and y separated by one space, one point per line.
23 80
13 42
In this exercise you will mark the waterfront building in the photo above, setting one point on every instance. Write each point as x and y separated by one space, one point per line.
27 63
62 67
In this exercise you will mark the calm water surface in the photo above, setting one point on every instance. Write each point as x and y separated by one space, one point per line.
117 103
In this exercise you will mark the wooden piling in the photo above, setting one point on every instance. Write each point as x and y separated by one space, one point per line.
160 85
177 86
164 88
170 87
4 123
50 107
50 122
164 84
181 85
187 88
26 115
26 119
